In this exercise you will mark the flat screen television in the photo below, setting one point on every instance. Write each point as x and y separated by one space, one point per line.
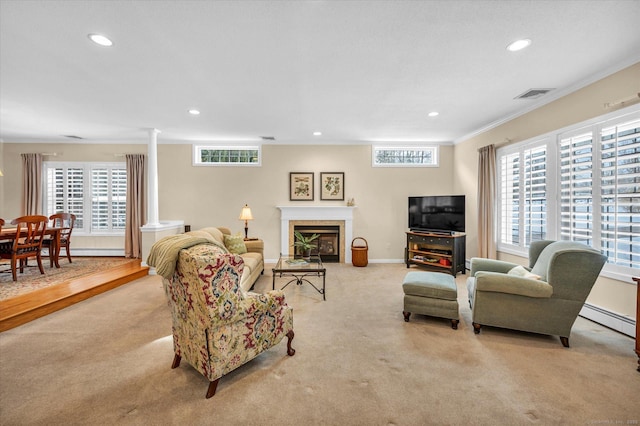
437 213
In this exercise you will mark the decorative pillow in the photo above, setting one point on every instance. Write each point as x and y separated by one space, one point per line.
235 244
520 271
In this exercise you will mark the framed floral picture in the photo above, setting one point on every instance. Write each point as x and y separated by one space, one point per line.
301 186
331 185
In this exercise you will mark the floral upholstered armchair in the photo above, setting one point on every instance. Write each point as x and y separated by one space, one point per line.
216 326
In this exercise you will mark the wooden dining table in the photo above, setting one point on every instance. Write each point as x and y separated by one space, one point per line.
10 234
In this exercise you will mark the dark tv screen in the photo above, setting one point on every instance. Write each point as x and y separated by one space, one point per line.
437 213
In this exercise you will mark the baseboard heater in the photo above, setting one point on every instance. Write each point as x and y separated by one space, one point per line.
617 322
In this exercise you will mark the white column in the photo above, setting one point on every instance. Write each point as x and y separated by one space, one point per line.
153 218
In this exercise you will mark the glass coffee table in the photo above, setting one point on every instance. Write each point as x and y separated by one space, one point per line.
300 270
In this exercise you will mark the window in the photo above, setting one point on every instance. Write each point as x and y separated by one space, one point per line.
620 194
418 156
226 155
95 193
576 188
523 194
592 194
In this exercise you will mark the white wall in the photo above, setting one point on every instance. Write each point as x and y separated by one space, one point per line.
206 196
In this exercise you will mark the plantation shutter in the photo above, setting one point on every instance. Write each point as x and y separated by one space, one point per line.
535 194
576 188
65 192
108 198
510 198
119 198
620 194
75 195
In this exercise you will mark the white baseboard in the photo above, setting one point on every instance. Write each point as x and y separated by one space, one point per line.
612 320
98 252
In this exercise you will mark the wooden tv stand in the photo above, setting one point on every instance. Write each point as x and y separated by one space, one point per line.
441 252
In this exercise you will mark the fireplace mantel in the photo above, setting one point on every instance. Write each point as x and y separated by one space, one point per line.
316 213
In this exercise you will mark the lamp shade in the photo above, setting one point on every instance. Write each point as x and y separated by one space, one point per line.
245 214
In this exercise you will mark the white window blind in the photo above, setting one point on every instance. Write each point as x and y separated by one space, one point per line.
523 195
576 188
535 194
108 198
65 192
95 193
510 199
620 194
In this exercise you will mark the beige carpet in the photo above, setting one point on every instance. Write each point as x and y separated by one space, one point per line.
107 361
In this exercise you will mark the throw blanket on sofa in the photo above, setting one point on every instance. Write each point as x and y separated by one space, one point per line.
164 253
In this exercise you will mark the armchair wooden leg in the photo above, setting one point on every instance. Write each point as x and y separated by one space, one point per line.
176 361
476 327
406 315
454 324
290 350
212 388
565 341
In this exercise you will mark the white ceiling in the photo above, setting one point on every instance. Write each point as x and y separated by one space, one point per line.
358 71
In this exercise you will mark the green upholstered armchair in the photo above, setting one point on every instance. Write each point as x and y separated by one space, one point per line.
547 305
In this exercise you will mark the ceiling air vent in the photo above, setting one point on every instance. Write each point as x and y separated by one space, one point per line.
533 94
268 138
72 137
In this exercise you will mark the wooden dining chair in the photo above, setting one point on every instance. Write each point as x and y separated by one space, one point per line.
28 242
64 221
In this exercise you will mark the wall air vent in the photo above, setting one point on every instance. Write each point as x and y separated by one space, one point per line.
268 138
72 137
533 94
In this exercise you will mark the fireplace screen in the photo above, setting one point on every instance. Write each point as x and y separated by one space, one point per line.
328 243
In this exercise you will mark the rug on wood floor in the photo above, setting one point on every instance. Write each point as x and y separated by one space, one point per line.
32 279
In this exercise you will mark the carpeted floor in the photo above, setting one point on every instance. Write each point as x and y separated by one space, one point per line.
31 279
107 361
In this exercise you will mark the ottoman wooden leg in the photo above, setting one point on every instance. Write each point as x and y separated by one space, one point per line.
454 324
406 315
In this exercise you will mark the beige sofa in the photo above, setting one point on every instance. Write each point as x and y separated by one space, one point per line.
164 253
253 261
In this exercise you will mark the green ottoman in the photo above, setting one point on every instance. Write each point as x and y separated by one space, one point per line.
431 293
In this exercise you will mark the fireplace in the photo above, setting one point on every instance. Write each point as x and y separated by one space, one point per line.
328 242
315 216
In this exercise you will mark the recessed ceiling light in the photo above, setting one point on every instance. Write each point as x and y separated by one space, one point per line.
317 133
100 39
194 112
518 45
433 114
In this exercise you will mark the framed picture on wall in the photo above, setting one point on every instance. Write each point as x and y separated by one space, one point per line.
332 186
301 186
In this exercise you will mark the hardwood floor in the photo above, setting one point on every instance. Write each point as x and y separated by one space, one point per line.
28 307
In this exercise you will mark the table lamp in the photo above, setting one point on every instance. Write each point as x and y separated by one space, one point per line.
245 215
